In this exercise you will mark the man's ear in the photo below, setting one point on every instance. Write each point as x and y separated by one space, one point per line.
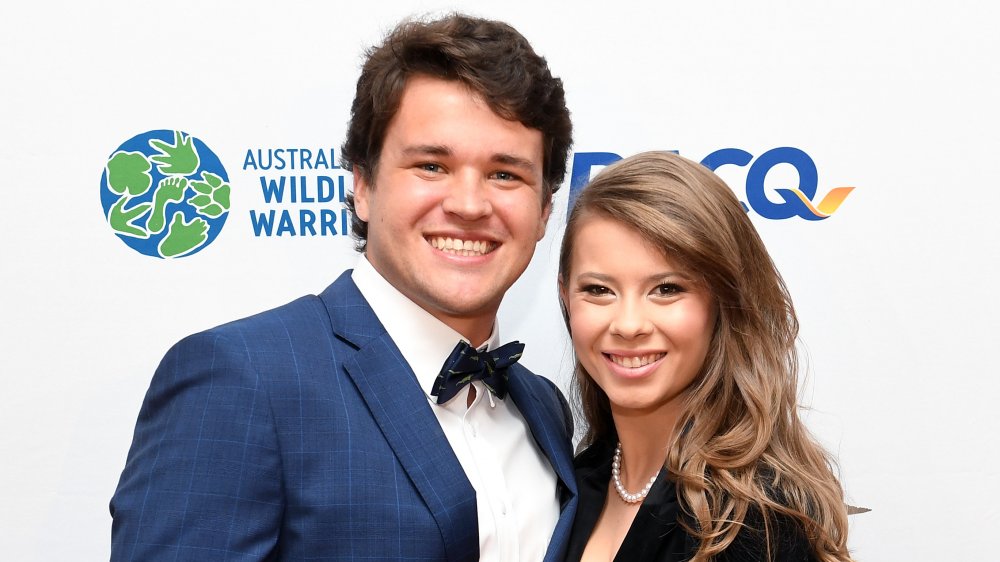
362 191
546 211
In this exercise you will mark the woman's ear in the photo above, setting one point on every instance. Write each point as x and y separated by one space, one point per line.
562 302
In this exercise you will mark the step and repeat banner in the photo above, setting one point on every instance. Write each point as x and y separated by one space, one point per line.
862 138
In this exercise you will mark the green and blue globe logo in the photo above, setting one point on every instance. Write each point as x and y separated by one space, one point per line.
165 194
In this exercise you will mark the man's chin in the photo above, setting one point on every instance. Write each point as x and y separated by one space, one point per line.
465 308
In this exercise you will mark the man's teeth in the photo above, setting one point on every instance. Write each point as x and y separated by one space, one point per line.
462 247
635 362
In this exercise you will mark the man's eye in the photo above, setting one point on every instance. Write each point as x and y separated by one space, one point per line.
430 167
505 176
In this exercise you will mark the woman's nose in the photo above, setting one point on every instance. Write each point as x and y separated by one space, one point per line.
630 320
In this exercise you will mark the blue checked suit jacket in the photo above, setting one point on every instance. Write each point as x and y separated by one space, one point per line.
301 434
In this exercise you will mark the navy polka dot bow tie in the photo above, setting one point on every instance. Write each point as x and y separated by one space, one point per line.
467 364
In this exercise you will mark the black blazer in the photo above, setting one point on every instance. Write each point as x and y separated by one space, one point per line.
656 535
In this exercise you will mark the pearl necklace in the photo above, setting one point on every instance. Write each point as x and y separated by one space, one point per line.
616 471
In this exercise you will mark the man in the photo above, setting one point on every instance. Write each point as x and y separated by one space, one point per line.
322 430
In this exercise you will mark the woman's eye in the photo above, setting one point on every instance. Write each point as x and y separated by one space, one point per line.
595 290
668 289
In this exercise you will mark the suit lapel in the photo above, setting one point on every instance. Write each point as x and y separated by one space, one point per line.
543 416
542 411
400 408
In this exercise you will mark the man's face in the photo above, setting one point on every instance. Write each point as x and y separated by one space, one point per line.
456 207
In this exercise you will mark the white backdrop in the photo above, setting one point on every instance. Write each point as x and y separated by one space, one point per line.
895 291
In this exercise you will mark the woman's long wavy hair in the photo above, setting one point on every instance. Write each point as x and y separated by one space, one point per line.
743 445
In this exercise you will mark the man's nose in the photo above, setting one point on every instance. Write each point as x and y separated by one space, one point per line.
468 197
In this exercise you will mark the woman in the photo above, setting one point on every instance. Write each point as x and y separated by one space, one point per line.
684 335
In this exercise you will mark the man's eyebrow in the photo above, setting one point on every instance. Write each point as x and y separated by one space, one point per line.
428 149
511 160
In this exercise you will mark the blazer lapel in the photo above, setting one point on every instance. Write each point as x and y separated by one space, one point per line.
542 412
400 408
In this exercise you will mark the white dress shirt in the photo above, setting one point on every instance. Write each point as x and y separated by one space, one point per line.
515 485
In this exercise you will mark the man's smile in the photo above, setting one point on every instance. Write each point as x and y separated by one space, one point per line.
462 247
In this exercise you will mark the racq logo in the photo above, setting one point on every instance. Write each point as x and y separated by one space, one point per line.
784 203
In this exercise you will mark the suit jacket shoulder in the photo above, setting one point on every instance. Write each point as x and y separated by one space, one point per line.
204 470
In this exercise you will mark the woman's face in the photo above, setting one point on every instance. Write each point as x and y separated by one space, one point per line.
641 326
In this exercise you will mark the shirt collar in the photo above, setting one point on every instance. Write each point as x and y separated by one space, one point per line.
424 341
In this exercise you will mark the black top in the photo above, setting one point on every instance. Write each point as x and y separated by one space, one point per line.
656 535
